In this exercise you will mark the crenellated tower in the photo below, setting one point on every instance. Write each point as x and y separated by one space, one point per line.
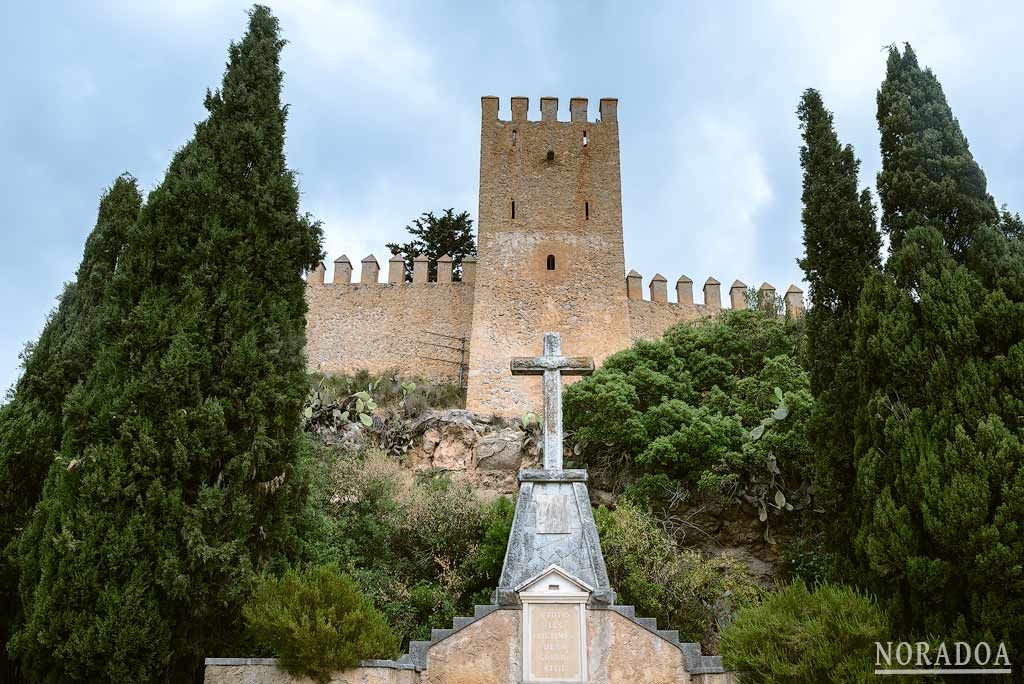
550 245
550 260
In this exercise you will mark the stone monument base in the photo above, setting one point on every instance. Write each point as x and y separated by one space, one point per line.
488 650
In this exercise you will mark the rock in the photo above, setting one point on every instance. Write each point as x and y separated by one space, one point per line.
457 438
453 453
431 438
599 497
500 450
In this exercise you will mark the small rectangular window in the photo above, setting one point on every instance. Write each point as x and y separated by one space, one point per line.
586 210
513 138
585 139
513 209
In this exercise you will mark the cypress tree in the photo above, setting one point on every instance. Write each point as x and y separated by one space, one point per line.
842 245
180 471
31 422
940 359
928 176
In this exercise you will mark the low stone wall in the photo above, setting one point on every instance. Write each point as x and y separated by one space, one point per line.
266 671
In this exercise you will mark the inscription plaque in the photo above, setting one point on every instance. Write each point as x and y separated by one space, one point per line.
555 631
552 514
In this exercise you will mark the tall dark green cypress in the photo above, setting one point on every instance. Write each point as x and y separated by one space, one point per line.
179 472
939 346
928 176
31 424
841 247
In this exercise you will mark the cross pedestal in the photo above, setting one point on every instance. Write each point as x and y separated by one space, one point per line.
552 365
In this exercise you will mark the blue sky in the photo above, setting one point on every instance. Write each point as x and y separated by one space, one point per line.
385 109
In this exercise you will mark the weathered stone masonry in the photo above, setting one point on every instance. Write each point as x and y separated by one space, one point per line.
550 260
380 326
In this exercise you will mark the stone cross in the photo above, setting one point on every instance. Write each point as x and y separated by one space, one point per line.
552 366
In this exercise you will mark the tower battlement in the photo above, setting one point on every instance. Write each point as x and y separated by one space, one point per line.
491 110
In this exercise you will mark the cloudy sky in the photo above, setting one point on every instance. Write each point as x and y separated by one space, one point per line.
384 118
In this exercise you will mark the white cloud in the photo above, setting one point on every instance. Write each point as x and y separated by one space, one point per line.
355 40
720 184
835 45
328 40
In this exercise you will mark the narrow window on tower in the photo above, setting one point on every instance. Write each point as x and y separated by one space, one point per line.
513 138
585 139
586 210
513 209
551 262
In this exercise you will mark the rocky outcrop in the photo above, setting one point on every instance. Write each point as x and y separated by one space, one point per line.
484 451
488 452
502 450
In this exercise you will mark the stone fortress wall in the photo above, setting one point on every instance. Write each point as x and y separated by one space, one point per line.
551 259
380 326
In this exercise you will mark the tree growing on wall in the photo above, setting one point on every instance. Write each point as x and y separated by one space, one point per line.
841 247
435 236
31 423
939 346
180 469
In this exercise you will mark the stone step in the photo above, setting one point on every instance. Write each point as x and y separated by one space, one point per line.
481 611
438 634
626 611
418 653
669 634
460 622
649 623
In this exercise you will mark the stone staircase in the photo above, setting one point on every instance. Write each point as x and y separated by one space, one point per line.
696 663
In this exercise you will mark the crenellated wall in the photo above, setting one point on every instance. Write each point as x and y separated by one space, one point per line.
380 326
551 259
650 318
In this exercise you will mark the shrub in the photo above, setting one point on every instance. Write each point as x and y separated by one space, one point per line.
683 589
317 621
685 405
424 549
799 636
390 389
720 406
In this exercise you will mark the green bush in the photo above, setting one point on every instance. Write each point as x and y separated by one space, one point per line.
683 589
799 636
317 622
424 549
719 407
685 405
390 389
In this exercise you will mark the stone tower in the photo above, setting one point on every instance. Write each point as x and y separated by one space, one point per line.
550 245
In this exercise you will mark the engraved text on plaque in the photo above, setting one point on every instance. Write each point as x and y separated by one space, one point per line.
555 642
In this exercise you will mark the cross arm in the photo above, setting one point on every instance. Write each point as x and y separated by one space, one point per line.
536 365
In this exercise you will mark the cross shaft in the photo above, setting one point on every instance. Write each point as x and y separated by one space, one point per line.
552 365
